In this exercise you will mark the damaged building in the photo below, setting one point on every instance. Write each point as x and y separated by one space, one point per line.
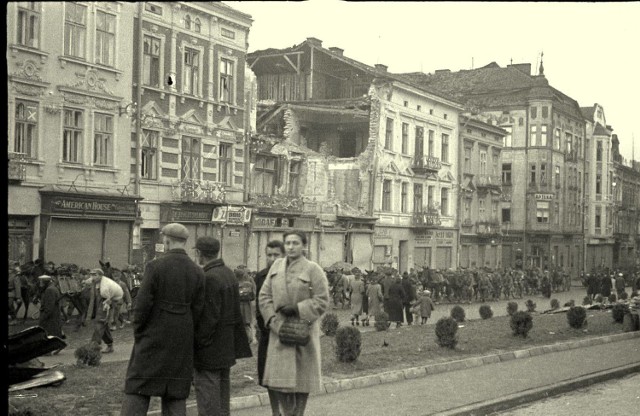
361 159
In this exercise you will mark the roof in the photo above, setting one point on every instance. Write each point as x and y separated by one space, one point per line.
600 130
588 112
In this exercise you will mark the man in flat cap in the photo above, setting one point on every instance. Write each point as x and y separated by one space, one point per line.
104 295
168 307
220 335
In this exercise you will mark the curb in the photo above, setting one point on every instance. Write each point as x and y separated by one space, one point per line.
532 395
335 386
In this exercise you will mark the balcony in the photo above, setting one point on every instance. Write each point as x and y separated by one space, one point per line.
488 227
277 202
426 220
17 169
488 181
424 164
571 156
193 190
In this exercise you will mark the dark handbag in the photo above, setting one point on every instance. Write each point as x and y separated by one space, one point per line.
295 331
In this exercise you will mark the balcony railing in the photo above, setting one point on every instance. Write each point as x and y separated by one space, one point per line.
422 164
277 202
488 181
17 169
488 227
193 190
426 219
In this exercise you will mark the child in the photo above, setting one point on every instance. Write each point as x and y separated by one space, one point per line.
423 307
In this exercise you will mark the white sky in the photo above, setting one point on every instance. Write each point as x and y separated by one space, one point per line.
591 50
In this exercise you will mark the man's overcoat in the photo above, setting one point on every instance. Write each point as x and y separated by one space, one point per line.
168 306
50 311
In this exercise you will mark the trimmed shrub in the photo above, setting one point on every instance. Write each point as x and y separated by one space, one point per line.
618 311
599 299
382 321
577 317
512 307
531 305
88 355
613 298
348 342
521 323
624 296
570 303
486 312
586 300
457 313
446 329
329 324
555 303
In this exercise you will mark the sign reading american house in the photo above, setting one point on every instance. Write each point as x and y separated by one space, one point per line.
88 206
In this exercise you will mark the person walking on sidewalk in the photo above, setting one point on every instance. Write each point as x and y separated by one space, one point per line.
50 316
294 287
395 303
356 289
273 251
374 296
220 335
410 296
168 307
105 294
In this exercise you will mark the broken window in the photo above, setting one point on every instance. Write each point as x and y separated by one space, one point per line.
265 175
294 177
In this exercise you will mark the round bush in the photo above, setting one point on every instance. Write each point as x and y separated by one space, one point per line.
577 317
20 407
486 312
512 307
521 323
599 299
618 311
586 300
531 305
329 324
348 342
555 303
457 313
446 329
88 355
612 298
624 296
382 321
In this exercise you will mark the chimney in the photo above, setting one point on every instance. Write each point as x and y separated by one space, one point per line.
381 68
336 50
524 68
443 71
315 41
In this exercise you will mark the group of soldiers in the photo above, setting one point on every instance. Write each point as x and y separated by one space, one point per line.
606 281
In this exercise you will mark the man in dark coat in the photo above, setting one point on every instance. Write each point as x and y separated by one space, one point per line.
274 250
168 307
394 304
50 317
220 333
410 296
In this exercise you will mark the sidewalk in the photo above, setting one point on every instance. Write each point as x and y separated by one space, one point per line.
484 386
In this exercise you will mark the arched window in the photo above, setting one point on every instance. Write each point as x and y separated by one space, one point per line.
187 22
196 25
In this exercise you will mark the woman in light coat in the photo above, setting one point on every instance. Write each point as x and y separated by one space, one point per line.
356 288
293 287
375 297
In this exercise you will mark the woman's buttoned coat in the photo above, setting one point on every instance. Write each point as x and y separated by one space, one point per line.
302 283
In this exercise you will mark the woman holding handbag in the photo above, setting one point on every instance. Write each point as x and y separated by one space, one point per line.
294 295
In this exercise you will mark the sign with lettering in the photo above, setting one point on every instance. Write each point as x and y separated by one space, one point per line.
186 213
263 223
225 134
238 215
304 224
544 197
88 206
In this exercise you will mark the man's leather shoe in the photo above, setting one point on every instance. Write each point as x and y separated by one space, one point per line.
108 350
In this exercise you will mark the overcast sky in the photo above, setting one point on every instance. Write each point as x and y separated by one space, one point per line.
591 50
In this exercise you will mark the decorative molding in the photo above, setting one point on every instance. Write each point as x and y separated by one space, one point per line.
105 104
28 69
90 81
30 90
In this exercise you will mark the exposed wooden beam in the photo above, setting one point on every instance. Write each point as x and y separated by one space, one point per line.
291 63
254 62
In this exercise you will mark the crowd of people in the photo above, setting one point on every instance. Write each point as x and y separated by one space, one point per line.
606 281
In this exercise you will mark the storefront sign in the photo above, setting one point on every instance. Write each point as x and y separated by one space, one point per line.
263 223
544 197
238 215
225 134
88 206
304 224
186 213
382 232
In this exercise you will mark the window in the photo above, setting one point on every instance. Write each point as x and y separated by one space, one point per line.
532 178
445 148
388 137
153 9
543 173
102 139
506 141
481 210
29 24
467 209
543 135
226 33
294 176
386 195
406 103
430 197
431 142
494 163
545 111
197 25
598 219
418 107
417 197
483 161
598 183
72 135
191 71
568 138
556 139
224 163
151 61
534 112
405 138
557 176
599 151
506 215
431 111
190 158
149 162
26 128
533 139
556 213
444 201
187 22
75 30
542 212
494 210
506 173
105 38
226 81
419 142
404 197
264 179
445 116
467 160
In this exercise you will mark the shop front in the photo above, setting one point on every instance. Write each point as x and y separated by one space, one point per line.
538 254
23 223
436 248
196 217
512 251
83 229
230 227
